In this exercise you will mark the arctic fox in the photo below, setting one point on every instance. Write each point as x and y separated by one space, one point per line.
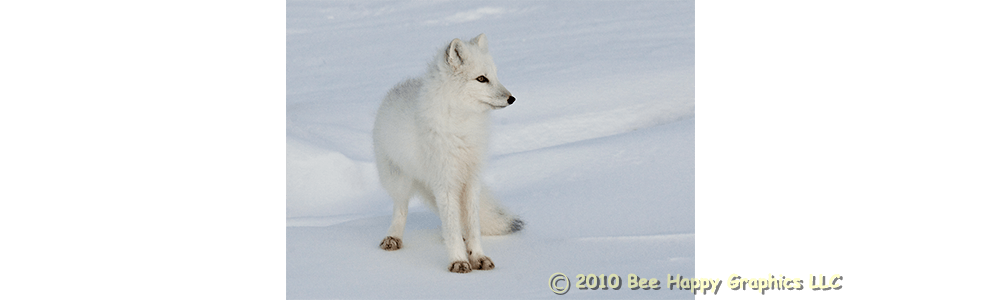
430 138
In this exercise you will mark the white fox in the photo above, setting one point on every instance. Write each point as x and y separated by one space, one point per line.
430 139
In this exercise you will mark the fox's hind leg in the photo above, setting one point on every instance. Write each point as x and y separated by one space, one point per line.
400 189
400 209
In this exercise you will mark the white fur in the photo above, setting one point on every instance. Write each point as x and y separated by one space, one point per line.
430 140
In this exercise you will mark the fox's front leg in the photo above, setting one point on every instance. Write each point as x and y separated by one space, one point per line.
472 226
448 204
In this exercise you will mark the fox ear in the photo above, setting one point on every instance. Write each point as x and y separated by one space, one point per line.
455 55
481 41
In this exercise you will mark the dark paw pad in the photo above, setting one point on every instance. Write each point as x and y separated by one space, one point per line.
391 243
460 267
483 263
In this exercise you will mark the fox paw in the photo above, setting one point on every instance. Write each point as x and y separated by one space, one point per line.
482 263
460 267
391 243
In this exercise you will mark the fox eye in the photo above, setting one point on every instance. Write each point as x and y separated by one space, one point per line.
482 79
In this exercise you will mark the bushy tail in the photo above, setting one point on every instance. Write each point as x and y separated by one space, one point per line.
495 219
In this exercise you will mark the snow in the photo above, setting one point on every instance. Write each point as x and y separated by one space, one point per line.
596 155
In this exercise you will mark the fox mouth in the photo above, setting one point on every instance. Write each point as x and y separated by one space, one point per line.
495 106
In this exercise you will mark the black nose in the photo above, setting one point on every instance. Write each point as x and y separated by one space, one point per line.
511 99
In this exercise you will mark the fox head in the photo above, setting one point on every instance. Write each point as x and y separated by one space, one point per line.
470 66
